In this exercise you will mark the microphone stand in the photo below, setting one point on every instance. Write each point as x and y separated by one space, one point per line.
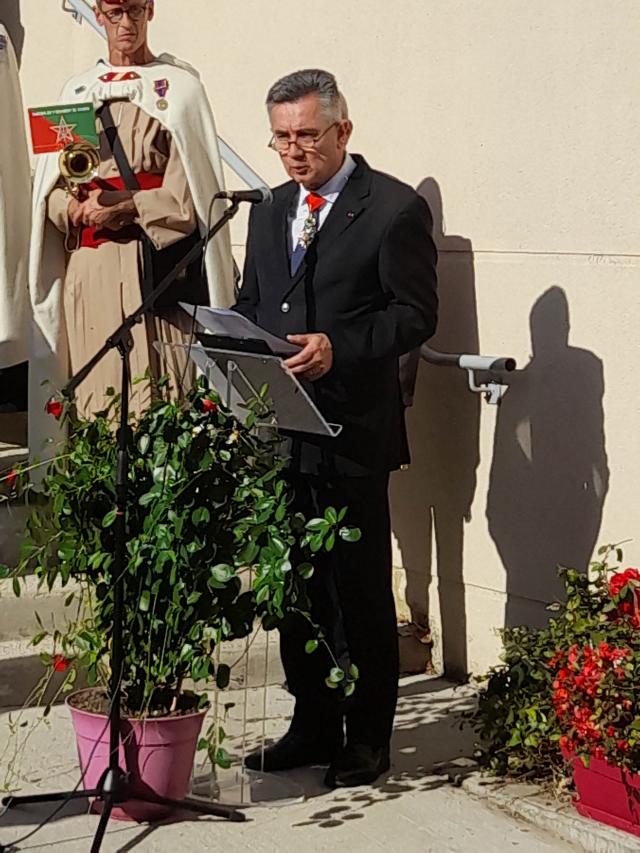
114 786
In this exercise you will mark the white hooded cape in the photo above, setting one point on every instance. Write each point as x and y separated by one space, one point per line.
189 119
15 211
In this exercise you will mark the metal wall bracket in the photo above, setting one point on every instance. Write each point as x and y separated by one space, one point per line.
493 390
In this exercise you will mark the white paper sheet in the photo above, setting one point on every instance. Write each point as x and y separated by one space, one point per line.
223 321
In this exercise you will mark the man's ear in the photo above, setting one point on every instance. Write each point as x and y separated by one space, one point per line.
152 10
99 16
344 132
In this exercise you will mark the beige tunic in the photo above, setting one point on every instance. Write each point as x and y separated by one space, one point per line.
102 285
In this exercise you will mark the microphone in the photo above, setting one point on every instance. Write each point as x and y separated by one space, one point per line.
260 195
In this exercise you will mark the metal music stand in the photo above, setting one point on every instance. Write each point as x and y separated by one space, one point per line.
238 375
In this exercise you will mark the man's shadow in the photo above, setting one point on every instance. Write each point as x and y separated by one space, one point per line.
431 500
10 17
549 475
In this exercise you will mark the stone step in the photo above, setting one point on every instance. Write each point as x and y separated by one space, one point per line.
13 429
21 669
17 615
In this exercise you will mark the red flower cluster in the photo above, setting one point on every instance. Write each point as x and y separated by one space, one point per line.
579 690
209 406
12 478
60 663
621 579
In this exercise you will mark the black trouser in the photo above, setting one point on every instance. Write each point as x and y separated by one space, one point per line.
352 599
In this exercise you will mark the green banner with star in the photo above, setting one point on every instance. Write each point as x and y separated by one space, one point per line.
55 128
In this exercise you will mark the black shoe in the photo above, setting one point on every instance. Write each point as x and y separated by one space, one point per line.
292 750
359 764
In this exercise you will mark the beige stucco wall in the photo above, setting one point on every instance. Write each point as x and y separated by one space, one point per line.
522 118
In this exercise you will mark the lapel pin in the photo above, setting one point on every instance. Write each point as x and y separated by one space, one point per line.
350 214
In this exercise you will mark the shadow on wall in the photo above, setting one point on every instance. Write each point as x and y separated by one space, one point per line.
10 17
549 475
431 500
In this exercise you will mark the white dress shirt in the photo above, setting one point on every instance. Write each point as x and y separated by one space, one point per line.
329 192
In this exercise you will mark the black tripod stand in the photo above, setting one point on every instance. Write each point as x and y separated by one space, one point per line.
114 786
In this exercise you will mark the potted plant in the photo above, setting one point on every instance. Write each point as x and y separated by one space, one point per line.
212 547
567 696
595 695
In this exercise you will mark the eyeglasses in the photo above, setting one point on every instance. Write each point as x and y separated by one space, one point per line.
135 13
306 140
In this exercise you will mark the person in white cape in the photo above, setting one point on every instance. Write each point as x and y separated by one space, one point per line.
84 271
15 211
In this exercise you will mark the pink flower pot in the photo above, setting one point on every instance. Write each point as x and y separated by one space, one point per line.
607 793
158 753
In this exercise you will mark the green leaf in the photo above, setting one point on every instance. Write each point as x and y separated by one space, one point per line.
331 515
201 515
336 675
16 587
186 653
349 689
263 594
143 444
311 646
145 600
222 572
222 758
332 684
305 570
203 744
316 525
350 534
354 672
200 669
109 518
316 543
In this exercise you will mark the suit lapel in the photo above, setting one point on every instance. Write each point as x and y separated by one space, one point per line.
279 238
348 207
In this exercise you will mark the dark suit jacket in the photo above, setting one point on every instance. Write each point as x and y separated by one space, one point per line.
368 281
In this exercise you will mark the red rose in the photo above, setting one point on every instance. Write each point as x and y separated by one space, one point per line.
60 663
623 745
209 406
611 730
54 407
12 477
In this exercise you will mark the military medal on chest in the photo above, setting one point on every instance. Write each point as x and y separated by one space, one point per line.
161 87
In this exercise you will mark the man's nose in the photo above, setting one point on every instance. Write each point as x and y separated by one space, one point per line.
295 150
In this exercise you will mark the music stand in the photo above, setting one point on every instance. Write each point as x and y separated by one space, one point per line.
238 375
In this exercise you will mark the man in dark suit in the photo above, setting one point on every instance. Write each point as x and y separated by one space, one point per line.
342 264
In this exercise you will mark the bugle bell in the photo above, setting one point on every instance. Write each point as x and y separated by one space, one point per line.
79 163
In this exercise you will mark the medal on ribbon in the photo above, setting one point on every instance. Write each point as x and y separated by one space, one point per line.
161 87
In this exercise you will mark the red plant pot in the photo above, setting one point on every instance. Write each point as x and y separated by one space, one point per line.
607 793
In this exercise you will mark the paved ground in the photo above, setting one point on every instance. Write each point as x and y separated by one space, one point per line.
413 809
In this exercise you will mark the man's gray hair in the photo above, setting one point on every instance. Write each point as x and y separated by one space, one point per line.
311 81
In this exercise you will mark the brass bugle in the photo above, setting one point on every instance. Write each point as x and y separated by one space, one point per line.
79 163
